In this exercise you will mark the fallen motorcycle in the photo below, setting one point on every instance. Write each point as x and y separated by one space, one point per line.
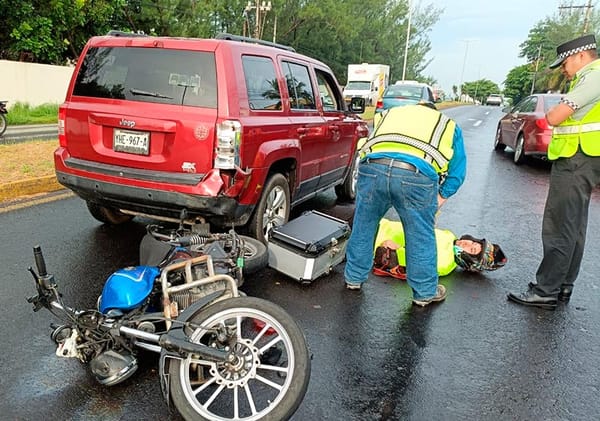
3 112
223 355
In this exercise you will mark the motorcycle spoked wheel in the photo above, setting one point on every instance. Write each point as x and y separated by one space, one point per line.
270 378
2 124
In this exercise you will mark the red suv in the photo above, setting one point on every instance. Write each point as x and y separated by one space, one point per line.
235 130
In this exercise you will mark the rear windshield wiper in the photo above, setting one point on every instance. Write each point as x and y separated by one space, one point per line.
146 93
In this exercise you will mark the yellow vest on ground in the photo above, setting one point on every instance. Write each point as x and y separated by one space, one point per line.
414 130
571 133
392 230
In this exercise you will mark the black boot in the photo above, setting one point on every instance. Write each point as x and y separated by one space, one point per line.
564 294
530 298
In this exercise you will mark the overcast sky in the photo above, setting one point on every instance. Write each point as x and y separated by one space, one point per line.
488 31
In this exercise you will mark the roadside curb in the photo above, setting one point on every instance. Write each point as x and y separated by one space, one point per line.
16 189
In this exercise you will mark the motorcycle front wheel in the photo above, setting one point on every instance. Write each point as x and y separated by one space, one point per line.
267 380
2 124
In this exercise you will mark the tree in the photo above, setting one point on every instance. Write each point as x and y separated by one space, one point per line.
540 47
54 31
480 89
518 83
337 33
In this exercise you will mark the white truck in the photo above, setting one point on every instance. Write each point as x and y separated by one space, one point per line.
367 81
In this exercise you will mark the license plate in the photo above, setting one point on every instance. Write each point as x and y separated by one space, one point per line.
131 142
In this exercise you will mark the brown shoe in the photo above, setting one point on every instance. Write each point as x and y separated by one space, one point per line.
440 295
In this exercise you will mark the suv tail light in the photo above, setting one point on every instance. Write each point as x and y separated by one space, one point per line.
62 139
229 135
542 123
379 103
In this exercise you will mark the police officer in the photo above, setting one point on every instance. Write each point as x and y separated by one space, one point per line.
575 152
413 161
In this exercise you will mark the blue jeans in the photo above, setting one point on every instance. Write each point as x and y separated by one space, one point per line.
414 197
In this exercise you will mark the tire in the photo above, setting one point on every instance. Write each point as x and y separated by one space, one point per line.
257 324
108 215
256 256
273 208
3 124
519 157
347 190
498 145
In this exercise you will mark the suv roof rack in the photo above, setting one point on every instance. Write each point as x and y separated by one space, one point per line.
115 33
232 37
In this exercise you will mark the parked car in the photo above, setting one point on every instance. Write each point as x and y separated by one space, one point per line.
235 130
494 99
405 93
524 127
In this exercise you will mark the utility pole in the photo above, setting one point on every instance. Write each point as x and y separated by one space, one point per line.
588 9
407 39
537 62
260 9
462 74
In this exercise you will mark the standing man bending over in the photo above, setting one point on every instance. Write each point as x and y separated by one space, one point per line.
575 150
414 161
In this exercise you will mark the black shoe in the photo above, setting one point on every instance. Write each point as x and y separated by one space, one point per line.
564 294
530 298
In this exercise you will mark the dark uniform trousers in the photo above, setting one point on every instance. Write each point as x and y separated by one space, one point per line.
565 221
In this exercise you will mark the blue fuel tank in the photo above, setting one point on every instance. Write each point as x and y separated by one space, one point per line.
127 288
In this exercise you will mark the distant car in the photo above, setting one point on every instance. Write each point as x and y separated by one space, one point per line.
494 99
405 93
524 127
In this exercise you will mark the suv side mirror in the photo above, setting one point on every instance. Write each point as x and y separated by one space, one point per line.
357 105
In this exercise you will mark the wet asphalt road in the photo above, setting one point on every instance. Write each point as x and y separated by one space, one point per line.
375 356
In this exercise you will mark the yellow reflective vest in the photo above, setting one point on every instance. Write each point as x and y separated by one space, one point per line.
571 133
414 130
392 230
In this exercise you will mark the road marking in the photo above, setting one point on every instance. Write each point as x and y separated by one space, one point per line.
477 123
32 201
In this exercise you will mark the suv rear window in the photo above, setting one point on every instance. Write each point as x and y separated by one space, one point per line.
178 77
261 83
299 86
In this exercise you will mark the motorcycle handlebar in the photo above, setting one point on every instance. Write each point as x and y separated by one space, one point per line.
39 261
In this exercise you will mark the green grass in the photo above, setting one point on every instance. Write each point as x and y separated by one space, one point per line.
21 113
368 114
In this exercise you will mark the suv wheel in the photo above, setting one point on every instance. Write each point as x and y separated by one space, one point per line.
347 190
108 215
273 208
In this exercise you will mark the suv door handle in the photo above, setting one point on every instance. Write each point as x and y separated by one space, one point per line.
301 131
334 128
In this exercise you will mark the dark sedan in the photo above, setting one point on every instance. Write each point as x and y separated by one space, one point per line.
524 128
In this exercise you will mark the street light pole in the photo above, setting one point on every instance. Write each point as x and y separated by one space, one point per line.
407 40
462 74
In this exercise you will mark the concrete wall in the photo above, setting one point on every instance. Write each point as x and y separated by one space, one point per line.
33 83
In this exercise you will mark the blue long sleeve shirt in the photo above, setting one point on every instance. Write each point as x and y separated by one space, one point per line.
457 167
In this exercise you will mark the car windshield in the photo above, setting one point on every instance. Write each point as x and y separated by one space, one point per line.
550 102
404 91
149 75
358 86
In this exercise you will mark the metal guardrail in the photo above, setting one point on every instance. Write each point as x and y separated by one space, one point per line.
21 133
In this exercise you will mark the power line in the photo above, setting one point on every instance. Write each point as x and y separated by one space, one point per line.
588 10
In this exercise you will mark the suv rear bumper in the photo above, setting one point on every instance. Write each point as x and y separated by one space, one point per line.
221 209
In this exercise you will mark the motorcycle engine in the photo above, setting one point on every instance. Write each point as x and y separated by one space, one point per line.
222 264
112 367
